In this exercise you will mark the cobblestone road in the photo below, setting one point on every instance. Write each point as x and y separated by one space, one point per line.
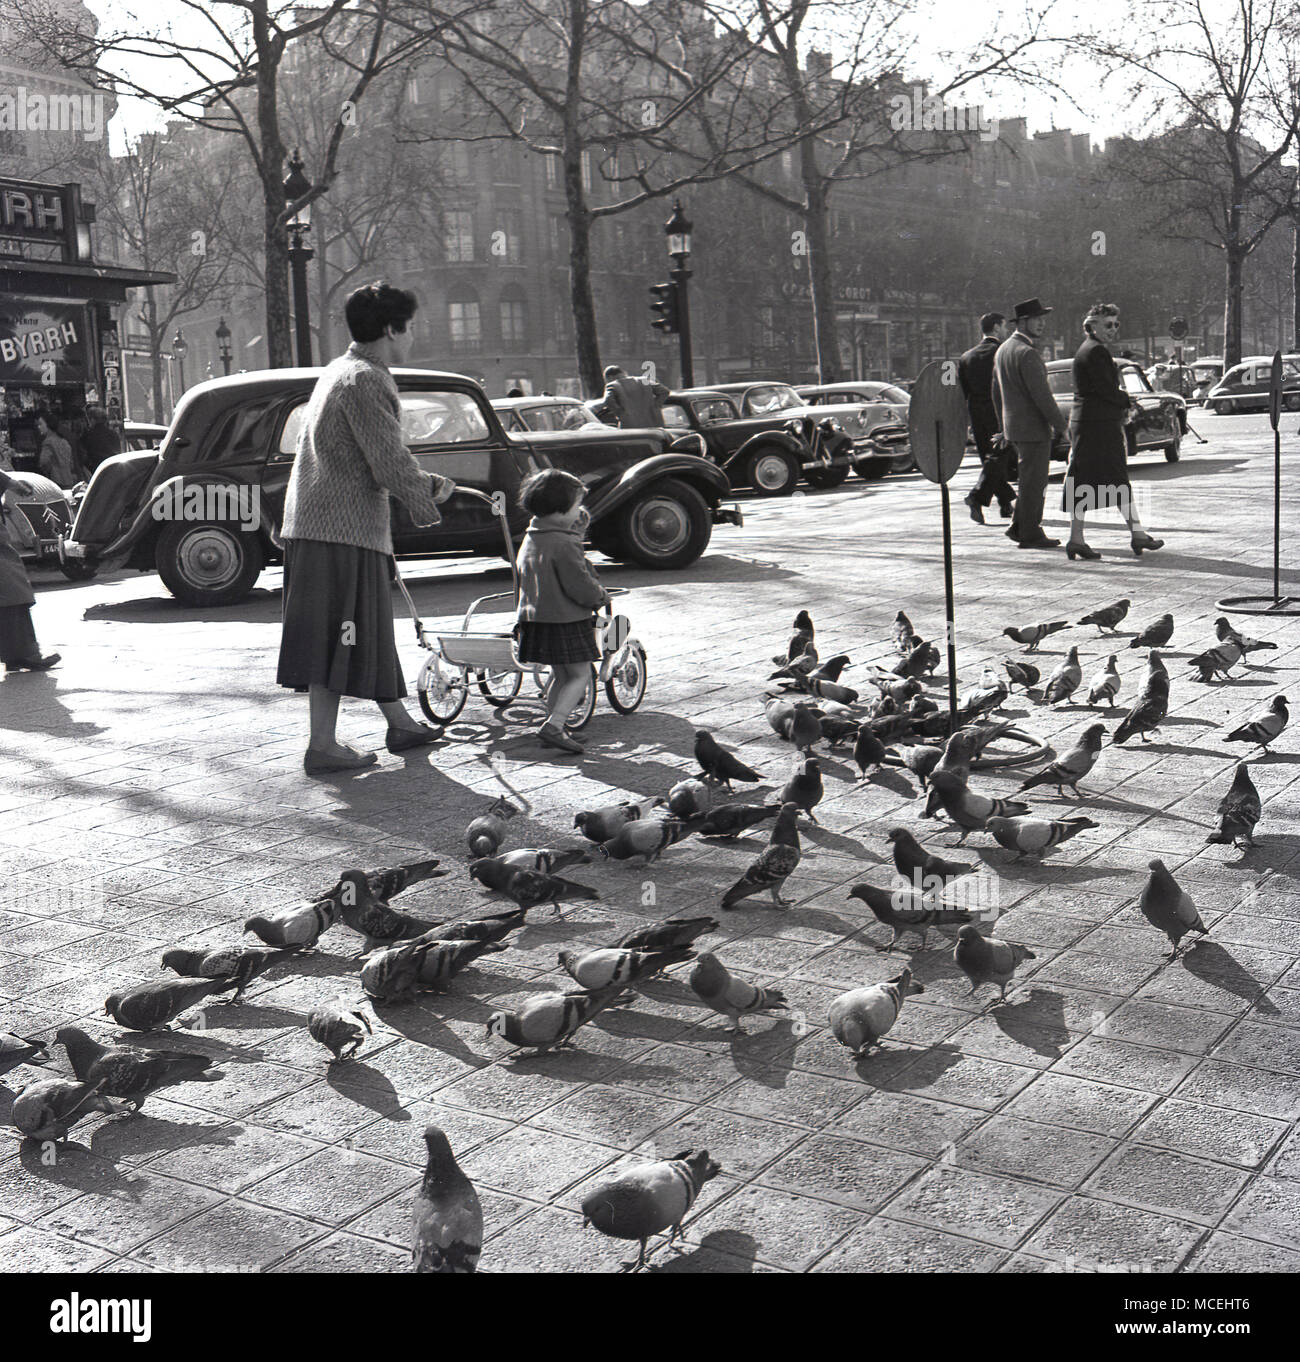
1116 1113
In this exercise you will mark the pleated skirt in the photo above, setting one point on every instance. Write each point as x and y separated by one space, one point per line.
337 629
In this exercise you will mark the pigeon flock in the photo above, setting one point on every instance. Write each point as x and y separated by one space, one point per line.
893 724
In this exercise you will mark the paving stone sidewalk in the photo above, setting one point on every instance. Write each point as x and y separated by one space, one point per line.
1117 1113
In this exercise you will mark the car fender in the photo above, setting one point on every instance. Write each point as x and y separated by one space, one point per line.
782 439
706 477
167 500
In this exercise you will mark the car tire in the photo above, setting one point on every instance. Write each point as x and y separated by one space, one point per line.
1224 407
772 472
77 569
1173 450
208 562
1291 401
667 526
825 478
871 470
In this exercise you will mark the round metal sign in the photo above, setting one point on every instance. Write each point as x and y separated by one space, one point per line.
937 420
1275 391
1178 328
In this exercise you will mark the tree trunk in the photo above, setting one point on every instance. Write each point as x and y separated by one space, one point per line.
1234 258
825 324
276 241
324 338
1295 279
580 295
155 355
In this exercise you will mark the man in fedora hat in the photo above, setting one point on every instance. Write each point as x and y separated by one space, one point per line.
1030 418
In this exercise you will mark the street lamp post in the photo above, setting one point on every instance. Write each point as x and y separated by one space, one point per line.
223 344
180 349
678 231
297 184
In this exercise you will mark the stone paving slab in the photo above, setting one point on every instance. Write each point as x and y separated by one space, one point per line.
1117 1112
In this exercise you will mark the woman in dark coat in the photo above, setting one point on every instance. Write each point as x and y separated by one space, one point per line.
1097 476
19 650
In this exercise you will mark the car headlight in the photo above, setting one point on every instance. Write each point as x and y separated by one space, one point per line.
832 425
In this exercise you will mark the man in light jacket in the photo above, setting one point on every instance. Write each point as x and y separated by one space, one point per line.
1030 418
632 403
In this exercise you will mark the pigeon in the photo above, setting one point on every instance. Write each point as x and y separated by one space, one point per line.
804 788
1217 661
719 764
392 975
862 1016
646 837
1022 674
544 859
125 1071
447 1219
1152 704
299 927
371 917
1108 616
1155 635
921 660
774 866
16 1050
599 825
495 872
1238 811
969 810
730 820
485 833
716 986
921 761
1105 685
1224 631
1071 768
903 632
1036 836
1265 726
906 911
899 691
805 729
1168 907
152 1006
489 927
529 888
803 634
801 666
385 884
831 669
829 690
643 1199
837 728
1064 681
891 728
925 872
954 762
984 732
688 798
984 698
611 965
662 936
47 1110
984 960
337 1031
239 964
1031 635
920 705
545 1021
438 966
780 714
869 751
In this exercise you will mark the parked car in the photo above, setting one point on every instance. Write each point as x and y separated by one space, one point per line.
232 441
1245 387
1161 419
38 519
143 435
768 451
872 414
1206 372
887 397
522 414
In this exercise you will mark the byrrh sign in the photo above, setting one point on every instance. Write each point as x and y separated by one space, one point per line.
42 342
32 211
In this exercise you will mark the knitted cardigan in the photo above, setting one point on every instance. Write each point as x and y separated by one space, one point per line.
351 457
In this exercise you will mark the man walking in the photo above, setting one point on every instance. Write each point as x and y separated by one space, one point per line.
975 373
1030 418
632 403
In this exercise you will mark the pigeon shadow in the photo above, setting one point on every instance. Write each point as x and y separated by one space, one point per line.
821 836
766 1057
893 781
363 1084
1212 964
730 1251
1037 1022
422 1027
252 1016
900 1070
77 1166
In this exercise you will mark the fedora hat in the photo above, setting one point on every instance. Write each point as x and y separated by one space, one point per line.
1031 307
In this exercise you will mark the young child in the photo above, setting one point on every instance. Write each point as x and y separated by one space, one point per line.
558 591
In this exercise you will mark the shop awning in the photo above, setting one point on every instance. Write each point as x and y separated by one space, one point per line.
93 283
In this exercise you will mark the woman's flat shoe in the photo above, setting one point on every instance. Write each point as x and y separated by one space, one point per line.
558 738
1146 542
1073 551
35 664
404 739
322 763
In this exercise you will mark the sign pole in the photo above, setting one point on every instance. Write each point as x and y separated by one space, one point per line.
945 503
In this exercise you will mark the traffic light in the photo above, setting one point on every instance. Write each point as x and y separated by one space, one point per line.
663 307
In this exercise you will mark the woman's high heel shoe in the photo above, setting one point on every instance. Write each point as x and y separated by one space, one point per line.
1073 551
1146 542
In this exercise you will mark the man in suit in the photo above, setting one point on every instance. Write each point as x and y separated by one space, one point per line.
1030 419
629 402
975 373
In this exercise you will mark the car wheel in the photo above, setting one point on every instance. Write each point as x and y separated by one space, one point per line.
208 562
1173 450
830 476
1224 408
1291 401
771 472
77 569
871 470
667 526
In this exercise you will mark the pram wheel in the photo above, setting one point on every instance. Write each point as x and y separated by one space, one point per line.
586 707
442 693
625 685
499 687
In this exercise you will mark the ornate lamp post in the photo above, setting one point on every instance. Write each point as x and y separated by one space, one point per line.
180 349
678 230
223 344
297 184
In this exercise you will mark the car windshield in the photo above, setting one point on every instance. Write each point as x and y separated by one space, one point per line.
712 409
555 416
1205 373
888 393
675 417
771 397
1134 380
1237 375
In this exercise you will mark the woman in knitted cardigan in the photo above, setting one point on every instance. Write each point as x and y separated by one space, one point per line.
337 636
19 650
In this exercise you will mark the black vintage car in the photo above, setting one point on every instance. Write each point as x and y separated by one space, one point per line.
205 509
763 435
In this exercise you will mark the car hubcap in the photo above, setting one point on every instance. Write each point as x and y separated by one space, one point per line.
209 557
662 525
771 472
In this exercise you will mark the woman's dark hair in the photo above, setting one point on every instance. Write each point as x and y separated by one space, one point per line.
550 491
374 308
